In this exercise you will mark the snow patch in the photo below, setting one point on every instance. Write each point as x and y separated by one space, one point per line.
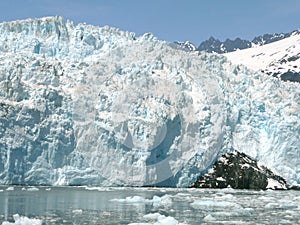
274 184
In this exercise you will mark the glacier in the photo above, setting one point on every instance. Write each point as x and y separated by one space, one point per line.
88 105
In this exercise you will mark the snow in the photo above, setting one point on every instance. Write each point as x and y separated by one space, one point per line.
187 46
220 179
270 57
274 184
87 105
22 220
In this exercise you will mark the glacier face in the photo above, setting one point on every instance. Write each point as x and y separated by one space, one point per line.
86 105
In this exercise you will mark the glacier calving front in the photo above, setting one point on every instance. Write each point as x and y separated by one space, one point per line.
86 105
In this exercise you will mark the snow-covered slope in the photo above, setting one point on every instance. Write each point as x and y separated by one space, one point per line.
81 104
280 58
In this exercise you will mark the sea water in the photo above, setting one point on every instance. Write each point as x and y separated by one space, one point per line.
93 205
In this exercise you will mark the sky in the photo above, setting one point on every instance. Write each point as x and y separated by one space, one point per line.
170 20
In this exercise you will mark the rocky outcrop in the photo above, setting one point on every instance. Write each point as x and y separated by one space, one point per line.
239 171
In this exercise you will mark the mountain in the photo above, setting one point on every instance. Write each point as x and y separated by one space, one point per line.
279 59
239 171
88 105
186 46
213 45
274 54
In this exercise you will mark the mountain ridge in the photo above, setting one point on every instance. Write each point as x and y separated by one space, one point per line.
215 45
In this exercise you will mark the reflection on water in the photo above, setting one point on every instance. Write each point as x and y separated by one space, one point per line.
81 205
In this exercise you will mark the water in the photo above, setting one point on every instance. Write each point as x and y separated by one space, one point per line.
82 205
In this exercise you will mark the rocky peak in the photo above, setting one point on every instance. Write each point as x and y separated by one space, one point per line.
239 171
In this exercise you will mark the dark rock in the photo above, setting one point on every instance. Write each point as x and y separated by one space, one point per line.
295 187
217 46
290 76
239 171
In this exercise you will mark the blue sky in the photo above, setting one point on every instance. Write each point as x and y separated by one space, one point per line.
170 20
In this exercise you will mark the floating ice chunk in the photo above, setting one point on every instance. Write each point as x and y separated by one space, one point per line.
158 219
152 216
165 200
30 189
22 220
10 189
166 220
106 213
209 204
131 199
33 189
135 199
272 205
157 201
209 218
227 196
232 213
98 188
266 198
186 197
139 223
77 211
